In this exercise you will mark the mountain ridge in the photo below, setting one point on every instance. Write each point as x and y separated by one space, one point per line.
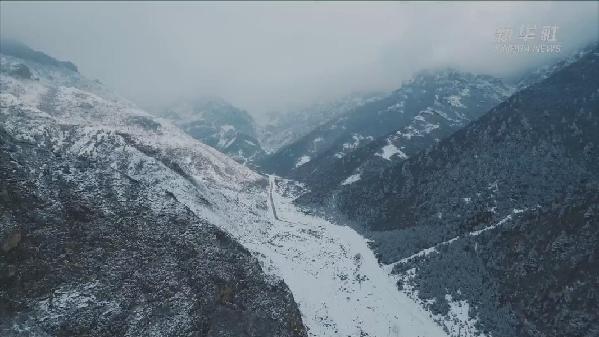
533 150
220 125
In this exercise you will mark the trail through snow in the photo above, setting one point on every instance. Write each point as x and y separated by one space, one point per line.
334 276
434 249
457 321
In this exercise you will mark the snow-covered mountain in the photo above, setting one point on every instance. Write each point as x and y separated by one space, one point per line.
544 71
458 211
108 220
117 223
219 124
284 128
500 217
425 109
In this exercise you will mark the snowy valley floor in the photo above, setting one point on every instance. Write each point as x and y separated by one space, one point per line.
338 283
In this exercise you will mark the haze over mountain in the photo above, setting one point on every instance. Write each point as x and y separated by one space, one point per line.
422 111
218 124
267 57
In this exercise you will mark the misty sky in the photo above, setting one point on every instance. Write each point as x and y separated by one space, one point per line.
272 56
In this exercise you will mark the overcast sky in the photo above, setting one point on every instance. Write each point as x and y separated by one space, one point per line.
272 56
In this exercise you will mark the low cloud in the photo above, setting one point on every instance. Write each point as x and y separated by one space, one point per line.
273 56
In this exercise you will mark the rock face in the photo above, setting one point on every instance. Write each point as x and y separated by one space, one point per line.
492 213
391 128
220 125
95 240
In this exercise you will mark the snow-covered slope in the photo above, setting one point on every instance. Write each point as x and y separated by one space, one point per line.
428 108
337 281
459 198
334 277
219 124
108 220
286 127
113 130
543 72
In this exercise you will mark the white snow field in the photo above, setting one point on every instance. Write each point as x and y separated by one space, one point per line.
334 276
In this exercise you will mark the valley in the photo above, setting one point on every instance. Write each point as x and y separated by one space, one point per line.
338 283
448 202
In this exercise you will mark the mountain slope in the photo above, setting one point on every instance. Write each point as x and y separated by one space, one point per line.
507 154
430 106
220 125
88 250
543 72
107 220
522 164
284 128
143 230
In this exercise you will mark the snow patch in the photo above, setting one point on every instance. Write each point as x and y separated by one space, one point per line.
458 321
302 161
351 179
389 150
227 127
455 101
